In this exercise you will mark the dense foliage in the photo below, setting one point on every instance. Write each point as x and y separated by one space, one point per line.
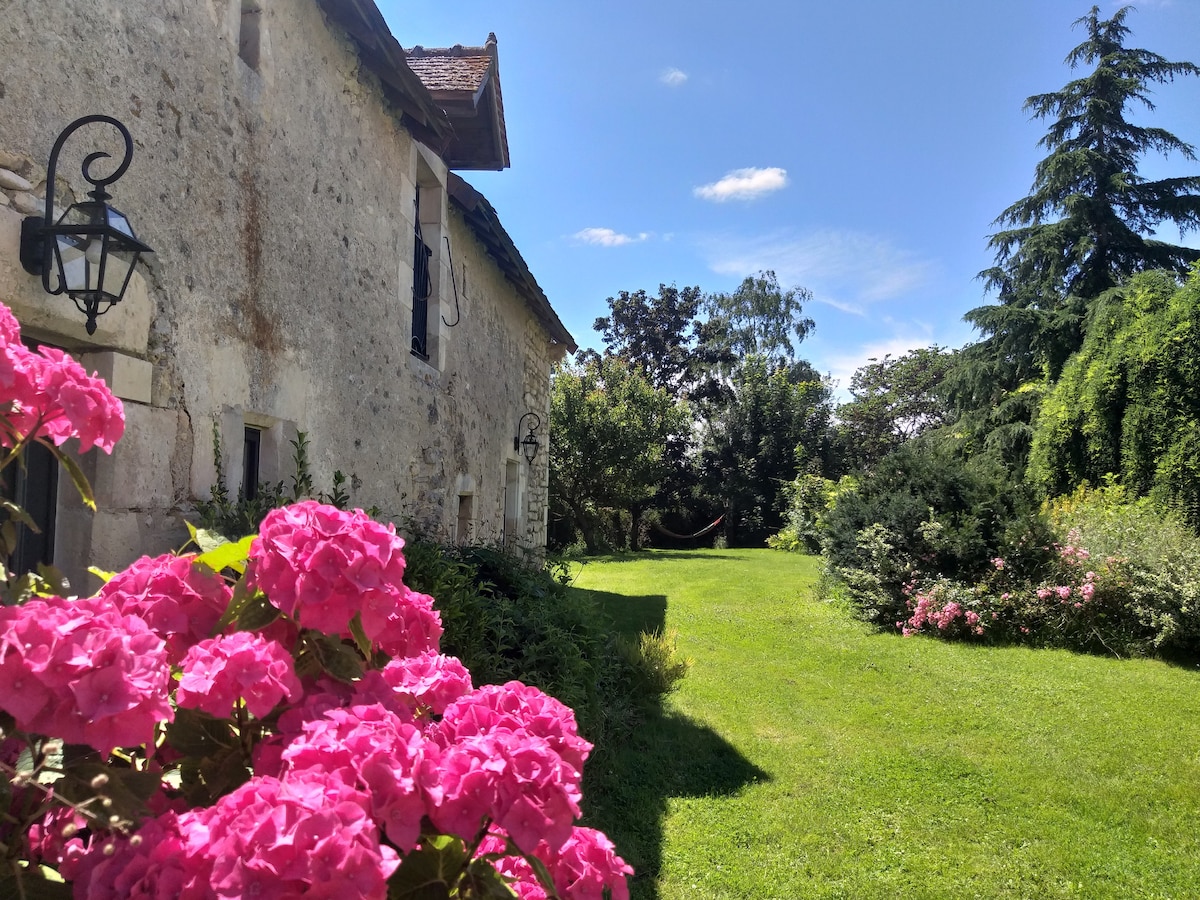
1128 404
747 416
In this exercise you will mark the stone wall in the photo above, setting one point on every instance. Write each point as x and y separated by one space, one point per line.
279 200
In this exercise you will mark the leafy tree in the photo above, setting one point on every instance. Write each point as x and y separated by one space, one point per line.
1085 225
1128 404
658 334
759 318
894 401
773 427
609 433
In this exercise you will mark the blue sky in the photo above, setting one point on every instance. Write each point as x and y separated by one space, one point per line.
860 149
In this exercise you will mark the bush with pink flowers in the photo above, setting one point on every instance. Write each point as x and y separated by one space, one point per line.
269 719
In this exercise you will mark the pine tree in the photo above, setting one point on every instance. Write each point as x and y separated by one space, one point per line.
1085 226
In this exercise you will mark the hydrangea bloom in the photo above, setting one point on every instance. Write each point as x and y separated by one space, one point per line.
51 396
587 864
180 601
151 865
427 681
81 671
219 671
322 566
513 778
308 833
517 707
370 747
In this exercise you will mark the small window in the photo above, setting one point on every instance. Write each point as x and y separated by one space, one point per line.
250 34
422 288
512 501
466 516
251 462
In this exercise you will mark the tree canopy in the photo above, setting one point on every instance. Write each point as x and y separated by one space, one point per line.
1088 220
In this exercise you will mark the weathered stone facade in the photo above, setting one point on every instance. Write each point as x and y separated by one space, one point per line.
277 185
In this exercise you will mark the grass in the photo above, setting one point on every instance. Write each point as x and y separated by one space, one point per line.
806 755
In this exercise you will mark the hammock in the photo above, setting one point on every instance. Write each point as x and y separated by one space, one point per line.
687 537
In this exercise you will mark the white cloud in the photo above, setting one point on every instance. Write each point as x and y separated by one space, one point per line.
606 237
744 184
842 366
673 77
848 270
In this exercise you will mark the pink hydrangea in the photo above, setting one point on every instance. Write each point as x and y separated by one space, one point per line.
151 865
307 834
586 865
81 671
219 671
513 779
1087 590
323 566
516 869
1063 591
373 749
49 395
428 681
517 707
180 601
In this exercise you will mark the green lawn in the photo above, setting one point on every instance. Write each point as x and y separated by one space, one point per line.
807 756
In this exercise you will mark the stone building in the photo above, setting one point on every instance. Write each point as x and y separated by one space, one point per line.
319 266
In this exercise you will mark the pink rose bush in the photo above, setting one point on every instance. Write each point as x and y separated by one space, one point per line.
1071 599
291 732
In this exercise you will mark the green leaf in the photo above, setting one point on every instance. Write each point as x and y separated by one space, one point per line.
483 882
194 733
360 637
18 514
258 613
77 476
430 872
102 574
128 790
225 555
205 780
242 596
338 659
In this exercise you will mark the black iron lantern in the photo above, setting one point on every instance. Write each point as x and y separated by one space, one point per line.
529 444
92 248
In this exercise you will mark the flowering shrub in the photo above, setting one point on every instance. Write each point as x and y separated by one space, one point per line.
291 732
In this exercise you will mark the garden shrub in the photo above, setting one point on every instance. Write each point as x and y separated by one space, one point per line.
1120 577
923 513
808 499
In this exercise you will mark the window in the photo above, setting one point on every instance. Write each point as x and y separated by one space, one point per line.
422 288
251 462
250 34
33 487
512 501
466 516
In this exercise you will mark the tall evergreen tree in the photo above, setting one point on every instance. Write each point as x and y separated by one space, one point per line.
1086 224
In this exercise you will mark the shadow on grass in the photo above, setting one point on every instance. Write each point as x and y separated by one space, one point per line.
627 787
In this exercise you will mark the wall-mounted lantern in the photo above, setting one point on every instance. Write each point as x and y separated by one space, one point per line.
92 248
529 444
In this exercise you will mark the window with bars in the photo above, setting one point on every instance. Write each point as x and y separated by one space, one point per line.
422 288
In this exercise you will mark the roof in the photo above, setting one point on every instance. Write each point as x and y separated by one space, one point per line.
465 82
485 223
